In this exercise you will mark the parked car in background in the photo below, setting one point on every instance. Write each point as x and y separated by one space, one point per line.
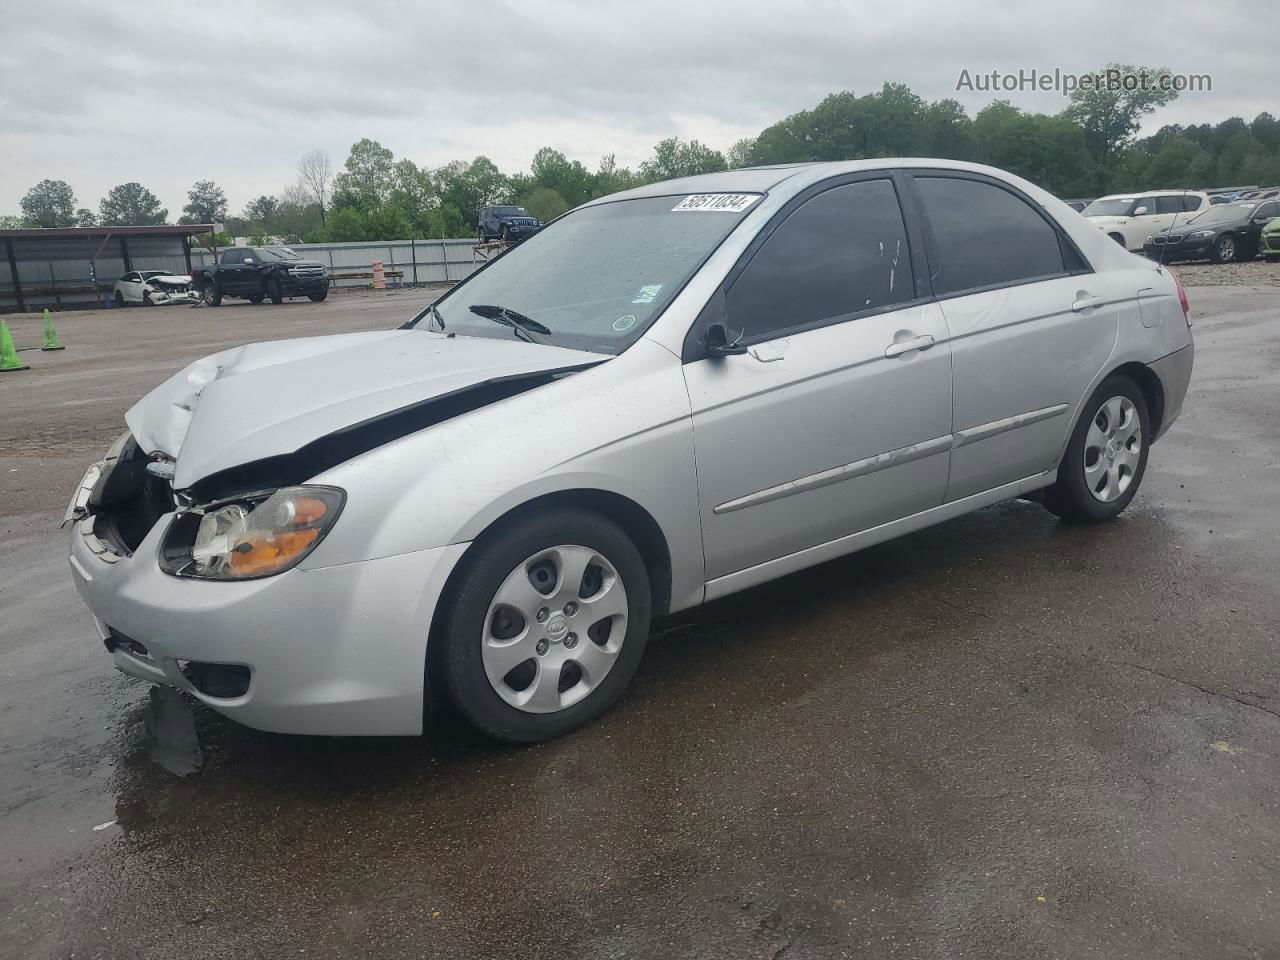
1077 205
1130 218
153 288
1270 241
507 223
668 395
1223 233
261 273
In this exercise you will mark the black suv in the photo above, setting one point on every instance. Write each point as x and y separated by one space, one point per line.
260 273
506 223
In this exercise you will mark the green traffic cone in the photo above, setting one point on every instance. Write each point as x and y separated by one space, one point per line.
8 355
51 341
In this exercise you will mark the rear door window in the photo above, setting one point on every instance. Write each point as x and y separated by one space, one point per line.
986 236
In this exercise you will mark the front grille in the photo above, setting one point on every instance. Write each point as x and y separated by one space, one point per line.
307 273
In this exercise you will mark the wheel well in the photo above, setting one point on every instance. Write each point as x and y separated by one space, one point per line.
1118 238
1152 391
635 521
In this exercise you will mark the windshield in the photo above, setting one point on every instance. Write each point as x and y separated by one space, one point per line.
277 253
596 278
1222 212
510 211
1114 207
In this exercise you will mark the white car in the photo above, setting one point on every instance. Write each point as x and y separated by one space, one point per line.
1129 218
664 397
153 288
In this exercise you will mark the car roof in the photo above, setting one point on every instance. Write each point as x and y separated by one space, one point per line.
1171 191
764 179
742 180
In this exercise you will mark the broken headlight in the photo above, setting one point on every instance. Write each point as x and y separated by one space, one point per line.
257 536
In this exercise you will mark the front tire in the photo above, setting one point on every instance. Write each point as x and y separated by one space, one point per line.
317 295
120 300
1106 457
146 299
1226 250
545 627
211 294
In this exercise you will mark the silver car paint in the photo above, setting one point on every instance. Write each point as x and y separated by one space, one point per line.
678 440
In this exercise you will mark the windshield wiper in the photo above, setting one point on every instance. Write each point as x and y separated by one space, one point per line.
524 327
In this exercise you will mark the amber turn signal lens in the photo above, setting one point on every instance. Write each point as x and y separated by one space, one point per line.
262 552
308 511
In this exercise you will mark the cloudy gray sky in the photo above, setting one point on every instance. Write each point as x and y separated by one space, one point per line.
167 93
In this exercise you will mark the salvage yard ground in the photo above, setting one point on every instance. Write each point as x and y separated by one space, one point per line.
1001 737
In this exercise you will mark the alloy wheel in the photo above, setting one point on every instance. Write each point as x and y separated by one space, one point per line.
554 629
1112 449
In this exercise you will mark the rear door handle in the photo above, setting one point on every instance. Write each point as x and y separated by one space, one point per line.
898 348
1087 303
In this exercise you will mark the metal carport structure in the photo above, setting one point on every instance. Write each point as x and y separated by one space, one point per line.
76 267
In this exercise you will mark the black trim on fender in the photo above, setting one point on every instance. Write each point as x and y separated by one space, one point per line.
311 459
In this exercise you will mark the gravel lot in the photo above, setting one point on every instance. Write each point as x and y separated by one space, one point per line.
1254 273
1002 737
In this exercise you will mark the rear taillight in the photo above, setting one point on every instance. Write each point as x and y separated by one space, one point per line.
1182 297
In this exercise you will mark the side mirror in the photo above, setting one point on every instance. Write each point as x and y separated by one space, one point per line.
1140 212
721 344
249 261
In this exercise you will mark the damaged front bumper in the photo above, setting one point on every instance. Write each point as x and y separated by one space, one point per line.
333 650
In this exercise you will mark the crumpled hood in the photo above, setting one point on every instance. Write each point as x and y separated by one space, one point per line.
169 278
266 399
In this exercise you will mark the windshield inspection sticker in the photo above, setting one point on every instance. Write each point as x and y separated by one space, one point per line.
624 323
716 203
647 294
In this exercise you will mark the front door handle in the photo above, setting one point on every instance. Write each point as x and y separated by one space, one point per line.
898 348
1084 303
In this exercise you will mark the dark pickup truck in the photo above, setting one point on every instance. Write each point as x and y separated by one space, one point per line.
260 273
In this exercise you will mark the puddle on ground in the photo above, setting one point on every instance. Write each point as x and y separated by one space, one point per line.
172 742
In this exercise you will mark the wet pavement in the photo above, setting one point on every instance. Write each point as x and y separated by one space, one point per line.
1002 737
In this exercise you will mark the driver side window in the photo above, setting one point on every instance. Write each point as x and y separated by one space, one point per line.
841 253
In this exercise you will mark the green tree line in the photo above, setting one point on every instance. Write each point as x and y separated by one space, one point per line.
1088 149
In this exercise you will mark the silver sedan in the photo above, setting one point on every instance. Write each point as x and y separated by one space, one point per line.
666 396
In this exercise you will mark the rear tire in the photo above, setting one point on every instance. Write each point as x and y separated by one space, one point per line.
1106 456
273 290
558 641
210 294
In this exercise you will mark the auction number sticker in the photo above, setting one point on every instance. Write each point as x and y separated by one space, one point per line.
716 203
